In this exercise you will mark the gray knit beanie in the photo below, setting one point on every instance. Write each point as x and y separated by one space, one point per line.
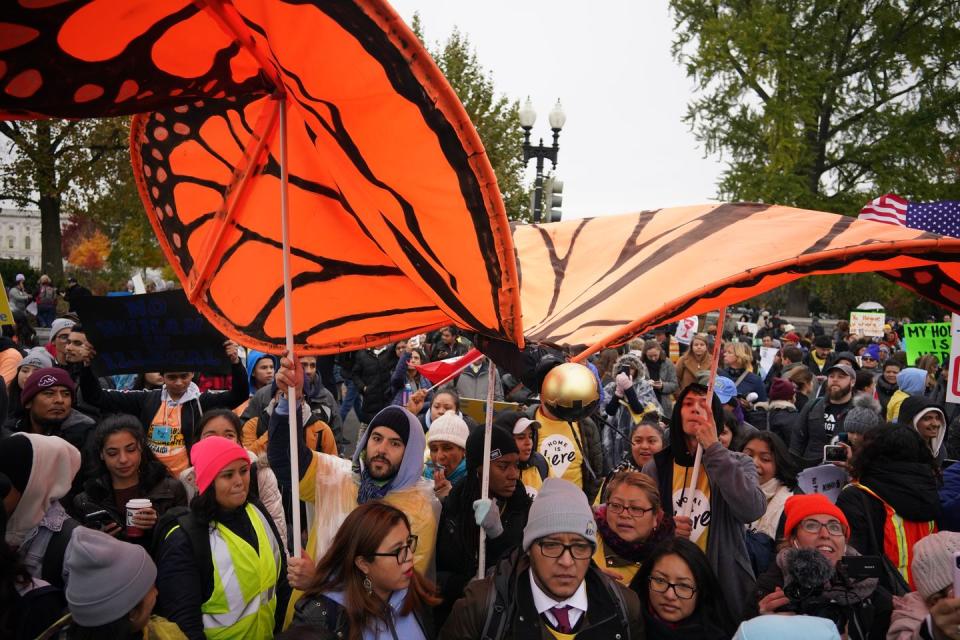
560 507
932 565
863 415
38 358
107 577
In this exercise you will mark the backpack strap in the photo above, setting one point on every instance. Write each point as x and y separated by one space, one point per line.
52 567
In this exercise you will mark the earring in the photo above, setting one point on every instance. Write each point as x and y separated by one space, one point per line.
367 584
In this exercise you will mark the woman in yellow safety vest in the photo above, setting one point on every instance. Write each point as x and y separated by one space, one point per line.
221 570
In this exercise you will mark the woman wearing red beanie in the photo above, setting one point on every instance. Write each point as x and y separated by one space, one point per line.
859 606
221 571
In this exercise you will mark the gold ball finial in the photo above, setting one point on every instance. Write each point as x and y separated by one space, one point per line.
569 391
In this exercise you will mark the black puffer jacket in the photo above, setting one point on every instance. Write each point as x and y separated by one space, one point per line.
371 375
910 488
458 535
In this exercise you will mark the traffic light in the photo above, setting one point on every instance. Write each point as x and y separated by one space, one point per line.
552 199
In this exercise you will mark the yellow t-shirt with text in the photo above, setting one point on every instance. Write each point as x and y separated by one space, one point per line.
700 513
559 446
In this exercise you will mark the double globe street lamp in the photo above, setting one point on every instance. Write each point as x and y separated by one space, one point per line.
541 152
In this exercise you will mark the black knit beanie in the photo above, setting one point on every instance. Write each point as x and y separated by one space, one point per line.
501 444
394 418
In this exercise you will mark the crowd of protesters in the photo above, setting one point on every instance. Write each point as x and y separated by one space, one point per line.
159 505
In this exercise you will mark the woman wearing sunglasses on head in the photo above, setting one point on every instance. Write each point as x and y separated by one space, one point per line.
680 595
630 524
365 586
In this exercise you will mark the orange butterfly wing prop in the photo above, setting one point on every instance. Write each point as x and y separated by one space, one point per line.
599 281
397 222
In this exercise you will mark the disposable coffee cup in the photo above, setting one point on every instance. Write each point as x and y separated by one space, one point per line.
133 506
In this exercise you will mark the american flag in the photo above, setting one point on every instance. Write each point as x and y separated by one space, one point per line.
941 217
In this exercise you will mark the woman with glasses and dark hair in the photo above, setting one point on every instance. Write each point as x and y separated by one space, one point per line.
365 586
816 530
630 523
680 595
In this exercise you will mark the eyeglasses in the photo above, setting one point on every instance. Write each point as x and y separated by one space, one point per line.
633 512
683 591
554 549
404 553
833 527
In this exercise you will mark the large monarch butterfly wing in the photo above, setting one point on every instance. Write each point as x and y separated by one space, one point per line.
939 283
604 280
397 223
106 58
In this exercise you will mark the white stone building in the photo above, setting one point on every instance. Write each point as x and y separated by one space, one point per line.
20 234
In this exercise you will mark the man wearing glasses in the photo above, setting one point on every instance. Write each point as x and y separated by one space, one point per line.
551 589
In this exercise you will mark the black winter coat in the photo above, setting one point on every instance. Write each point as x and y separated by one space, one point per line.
371 375
327 618
183 586
614 610
145 404
163 491
871 615
458 535
910 488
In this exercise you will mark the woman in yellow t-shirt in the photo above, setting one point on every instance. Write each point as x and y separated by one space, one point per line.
630 523
533 466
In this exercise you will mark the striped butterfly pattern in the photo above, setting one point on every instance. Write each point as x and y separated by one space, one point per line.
588 283
397 225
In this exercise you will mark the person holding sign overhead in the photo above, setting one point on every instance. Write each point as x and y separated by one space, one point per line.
169 414
726 498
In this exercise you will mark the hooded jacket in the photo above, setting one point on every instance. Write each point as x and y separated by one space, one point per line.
253 357
333 483
911 381
914 408
735 501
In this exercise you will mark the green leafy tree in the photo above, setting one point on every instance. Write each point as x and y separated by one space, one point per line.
825 105
494 115
56 166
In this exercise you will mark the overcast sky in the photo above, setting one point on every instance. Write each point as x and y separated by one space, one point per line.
624 146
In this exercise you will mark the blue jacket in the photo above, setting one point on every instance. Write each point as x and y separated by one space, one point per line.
750 383
950 499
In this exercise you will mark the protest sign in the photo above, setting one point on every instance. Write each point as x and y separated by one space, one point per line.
6 315
686 329
827 479
953 388
767 355
867 323
921 339
150 332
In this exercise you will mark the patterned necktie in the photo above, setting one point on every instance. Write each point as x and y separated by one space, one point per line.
563 618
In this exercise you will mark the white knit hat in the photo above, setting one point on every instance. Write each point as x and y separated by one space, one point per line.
932 565
449 427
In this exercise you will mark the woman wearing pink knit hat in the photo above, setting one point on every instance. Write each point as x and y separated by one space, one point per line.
221 570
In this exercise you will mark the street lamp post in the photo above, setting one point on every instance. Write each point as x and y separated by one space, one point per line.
541 152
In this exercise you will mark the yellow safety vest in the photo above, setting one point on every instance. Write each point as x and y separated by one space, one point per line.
244 599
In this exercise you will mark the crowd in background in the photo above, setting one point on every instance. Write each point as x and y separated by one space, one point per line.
160 505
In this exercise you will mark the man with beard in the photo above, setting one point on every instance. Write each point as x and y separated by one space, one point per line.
47 399
387 465
819 421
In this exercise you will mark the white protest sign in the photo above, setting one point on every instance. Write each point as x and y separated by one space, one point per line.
827 479
767 355
867 323
686 329
953 376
